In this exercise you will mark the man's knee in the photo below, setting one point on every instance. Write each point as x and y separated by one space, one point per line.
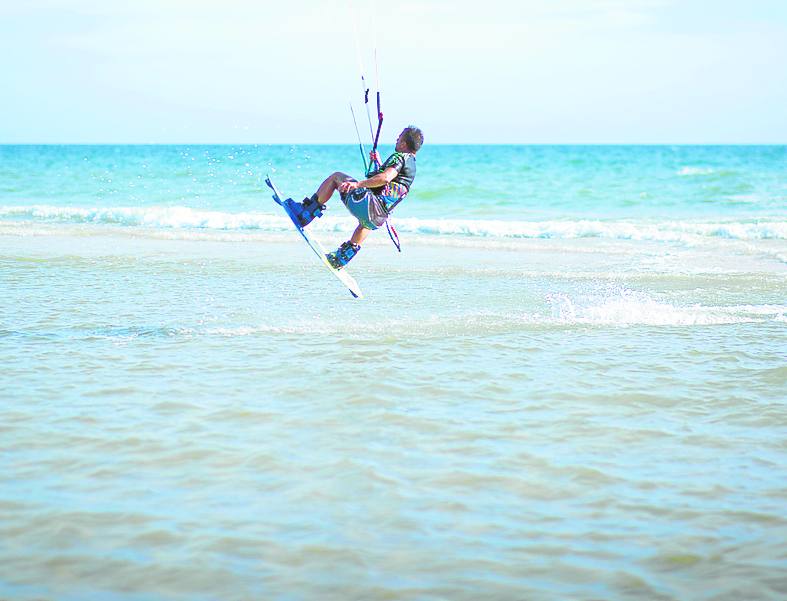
339 177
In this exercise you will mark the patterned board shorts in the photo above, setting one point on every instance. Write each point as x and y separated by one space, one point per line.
365 207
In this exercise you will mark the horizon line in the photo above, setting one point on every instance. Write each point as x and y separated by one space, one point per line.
355 144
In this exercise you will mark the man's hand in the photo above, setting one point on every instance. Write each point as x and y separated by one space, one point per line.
347 185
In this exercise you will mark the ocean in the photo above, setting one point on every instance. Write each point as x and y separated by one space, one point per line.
570 384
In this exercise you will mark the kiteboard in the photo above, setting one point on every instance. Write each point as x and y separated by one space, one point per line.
314 244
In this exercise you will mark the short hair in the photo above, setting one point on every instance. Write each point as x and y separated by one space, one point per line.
413 137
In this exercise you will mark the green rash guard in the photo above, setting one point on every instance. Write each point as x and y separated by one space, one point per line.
403 162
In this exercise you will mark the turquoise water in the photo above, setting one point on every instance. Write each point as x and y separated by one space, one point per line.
570 384
478 182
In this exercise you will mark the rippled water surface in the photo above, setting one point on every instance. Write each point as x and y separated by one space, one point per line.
200 412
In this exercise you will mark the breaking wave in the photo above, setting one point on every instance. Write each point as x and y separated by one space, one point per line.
185 218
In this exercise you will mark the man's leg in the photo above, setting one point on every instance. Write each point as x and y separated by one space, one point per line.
359 235
305 212
342 255
330 185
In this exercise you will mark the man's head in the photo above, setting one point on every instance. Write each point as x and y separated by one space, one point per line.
410 140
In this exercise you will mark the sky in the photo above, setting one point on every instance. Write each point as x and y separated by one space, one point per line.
491 71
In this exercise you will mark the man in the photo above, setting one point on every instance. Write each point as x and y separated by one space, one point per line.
370 200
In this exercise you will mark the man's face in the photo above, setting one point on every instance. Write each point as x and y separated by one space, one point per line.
401 145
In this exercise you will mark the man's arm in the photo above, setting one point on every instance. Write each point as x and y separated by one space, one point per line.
376 181
374 162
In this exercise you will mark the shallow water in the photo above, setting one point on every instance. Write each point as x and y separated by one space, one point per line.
185 415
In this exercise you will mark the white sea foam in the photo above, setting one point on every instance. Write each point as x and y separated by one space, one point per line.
668 231
185 218
696 171
621 306
614 306
162 217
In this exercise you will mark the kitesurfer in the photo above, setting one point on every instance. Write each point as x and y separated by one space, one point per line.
370 200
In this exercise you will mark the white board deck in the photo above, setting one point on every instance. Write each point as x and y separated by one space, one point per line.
315 245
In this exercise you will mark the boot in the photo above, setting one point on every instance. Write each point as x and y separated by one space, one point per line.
306 211
343 254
